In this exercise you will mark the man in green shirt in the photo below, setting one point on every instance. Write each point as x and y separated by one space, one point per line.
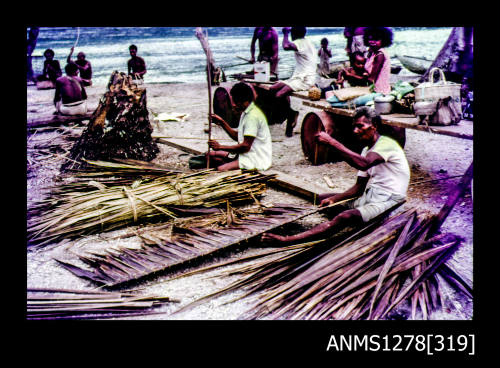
382 180
254 146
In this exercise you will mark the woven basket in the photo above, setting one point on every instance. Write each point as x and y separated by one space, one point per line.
433 91
314 93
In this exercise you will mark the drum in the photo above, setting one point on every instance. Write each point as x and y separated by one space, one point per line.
340 128
223 106
337 126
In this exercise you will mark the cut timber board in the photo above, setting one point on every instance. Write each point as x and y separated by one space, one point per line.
282 181
56 120
464 129
179 146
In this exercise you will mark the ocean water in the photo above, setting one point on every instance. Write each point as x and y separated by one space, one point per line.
175 55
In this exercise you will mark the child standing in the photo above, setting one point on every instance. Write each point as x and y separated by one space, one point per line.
324 54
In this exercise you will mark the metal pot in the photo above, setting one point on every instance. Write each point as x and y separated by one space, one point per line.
383 104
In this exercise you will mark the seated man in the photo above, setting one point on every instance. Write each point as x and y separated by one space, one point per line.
51 68
136 65
382 180
254 148
84 67
304 75
70 97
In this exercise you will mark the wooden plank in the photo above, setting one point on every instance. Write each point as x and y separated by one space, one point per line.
295 186
56 120
179 146
464 129
282 181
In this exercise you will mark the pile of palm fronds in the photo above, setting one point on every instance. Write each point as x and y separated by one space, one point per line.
118 128
68 304
41 152
363 277
88 206
185 241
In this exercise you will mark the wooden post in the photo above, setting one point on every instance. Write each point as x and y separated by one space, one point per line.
210 64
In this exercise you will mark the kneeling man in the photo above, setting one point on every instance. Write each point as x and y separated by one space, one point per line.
254 147
70 96
382 180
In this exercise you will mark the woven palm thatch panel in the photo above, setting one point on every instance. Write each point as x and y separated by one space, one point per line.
121 265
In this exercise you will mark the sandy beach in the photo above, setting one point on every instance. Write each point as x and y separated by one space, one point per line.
430 156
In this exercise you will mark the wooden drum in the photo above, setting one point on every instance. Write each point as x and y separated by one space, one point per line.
340 128
223 106
336 126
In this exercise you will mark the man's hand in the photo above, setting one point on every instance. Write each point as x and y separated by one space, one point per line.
216 119
214 145
327 201
286 30
324 137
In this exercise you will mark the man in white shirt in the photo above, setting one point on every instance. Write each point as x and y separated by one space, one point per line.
382 181
304 75
254 147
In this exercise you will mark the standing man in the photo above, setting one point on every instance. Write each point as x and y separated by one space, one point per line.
382 181
304 74
70 97
136 64
268 47
254 146
84 67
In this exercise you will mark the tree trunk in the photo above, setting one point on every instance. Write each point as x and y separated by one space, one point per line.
31 44
456 56
118 128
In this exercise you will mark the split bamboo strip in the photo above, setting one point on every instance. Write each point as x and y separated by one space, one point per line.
74 304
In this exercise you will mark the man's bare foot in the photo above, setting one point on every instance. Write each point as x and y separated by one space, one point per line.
273 239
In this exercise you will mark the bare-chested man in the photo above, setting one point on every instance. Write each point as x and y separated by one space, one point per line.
136 64
268 47
70 97
51 67
84 67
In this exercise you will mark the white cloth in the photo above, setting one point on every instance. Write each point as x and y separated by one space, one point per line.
393 175
358 44
306 61
253 123
74 108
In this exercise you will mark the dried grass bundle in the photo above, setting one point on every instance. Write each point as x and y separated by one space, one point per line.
89 206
